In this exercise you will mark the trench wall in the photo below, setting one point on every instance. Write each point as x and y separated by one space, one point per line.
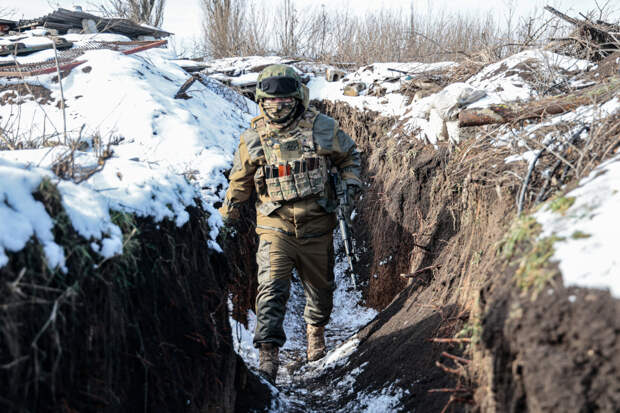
145 331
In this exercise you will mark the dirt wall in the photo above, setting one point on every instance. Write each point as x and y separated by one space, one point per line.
442 215
146 331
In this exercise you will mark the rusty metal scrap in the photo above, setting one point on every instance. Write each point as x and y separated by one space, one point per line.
66 58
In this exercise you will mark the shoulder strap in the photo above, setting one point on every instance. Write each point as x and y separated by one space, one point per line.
252 141
260 125
324 130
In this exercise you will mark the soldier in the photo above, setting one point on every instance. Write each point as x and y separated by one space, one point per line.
285 156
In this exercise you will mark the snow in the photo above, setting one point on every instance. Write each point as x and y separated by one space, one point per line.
515 77
587 252
22 217
380 401
165 153
90 217
29 41
347 318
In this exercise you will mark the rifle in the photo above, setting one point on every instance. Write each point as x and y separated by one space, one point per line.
340 189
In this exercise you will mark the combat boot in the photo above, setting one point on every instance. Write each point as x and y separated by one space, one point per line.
316 342
268 361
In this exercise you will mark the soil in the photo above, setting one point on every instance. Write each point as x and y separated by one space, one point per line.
397 345
145 331
556 353
429 225
437 215
17 93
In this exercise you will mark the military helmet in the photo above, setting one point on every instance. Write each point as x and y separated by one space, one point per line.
279 81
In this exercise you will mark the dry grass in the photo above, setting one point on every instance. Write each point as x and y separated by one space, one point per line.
246 27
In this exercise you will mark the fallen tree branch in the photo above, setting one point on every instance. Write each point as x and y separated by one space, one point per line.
514 112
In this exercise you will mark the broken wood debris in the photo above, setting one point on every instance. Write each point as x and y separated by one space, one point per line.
595 40
7 25
20 49
219 88
65 21
514 112
181 93
42 70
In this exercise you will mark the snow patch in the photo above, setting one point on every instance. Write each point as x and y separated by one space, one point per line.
589 228
22 217
385 400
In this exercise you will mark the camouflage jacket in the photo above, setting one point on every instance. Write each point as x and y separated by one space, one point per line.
303 208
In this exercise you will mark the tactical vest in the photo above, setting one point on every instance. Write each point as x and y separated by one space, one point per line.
293 169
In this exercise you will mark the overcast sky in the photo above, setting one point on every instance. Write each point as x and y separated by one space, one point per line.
183 17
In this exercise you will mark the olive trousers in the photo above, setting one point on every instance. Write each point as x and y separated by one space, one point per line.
277 255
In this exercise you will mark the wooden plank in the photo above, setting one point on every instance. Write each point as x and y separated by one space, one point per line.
148 46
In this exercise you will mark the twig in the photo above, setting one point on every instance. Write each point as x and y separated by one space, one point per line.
447 369
62 94
420 271
14 286
14 363
527 177
445 409
27 85
53 314
557 164
444 390
456 358
450 340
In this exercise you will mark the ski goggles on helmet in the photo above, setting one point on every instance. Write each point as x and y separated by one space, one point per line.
279 85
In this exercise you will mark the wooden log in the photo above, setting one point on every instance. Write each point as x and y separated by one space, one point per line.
478 117
188 83
562 15
514 112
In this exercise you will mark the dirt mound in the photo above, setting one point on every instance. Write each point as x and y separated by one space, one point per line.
146 331
18 93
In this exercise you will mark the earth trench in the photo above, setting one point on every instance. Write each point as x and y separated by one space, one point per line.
453 332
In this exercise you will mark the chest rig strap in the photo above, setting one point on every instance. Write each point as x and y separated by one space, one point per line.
293 169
